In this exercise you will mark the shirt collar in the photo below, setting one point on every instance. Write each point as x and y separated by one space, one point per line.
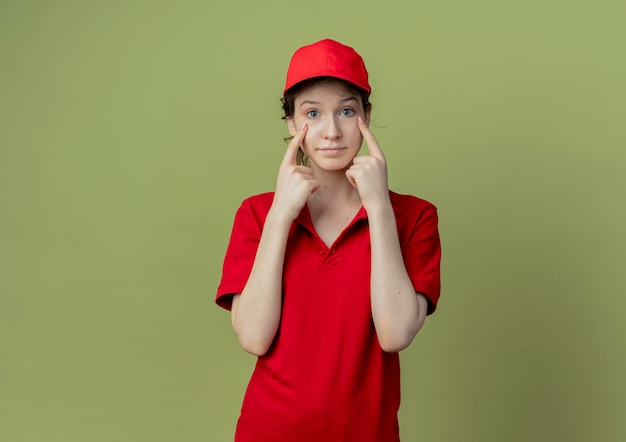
304 218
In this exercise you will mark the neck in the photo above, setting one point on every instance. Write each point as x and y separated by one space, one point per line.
334 188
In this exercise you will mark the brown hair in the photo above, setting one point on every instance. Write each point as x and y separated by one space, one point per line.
289 99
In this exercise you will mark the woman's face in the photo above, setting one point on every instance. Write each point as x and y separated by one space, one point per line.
333 137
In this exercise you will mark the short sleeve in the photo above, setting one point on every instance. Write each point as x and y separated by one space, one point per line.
241 251
421 250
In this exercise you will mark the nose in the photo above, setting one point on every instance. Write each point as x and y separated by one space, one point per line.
331 128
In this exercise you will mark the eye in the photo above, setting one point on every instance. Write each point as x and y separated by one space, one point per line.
347 112
313 114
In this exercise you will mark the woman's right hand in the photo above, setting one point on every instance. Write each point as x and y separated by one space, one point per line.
255 314
295 183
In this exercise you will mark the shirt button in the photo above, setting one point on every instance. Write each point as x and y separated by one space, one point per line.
321 252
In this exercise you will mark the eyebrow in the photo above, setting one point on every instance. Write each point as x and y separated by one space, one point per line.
343 100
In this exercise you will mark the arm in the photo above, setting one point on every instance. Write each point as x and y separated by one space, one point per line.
255 313
398 311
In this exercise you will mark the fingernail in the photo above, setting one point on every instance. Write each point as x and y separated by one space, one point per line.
360 120
303 126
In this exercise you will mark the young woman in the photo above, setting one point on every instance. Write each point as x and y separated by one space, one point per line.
331 275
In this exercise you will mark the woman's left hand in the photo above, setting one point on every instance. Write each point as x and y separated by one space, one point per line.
368 174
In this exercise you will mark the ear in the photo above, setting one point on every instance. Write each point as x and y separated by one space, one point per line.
291 125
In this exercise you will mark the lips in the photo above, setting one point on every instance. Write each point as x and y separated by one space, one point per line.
331 151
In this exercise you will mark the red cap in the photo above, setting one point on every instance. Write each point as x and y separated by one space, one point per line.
327 58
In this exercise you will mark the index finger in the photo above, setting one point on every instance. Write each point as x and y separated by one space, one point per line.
372 144
291 154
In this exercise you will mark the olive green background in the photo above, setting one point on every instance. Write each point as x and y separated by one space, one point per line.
130 131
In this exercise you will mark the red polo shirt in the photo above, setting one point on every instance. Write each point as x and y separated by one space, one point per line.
325 377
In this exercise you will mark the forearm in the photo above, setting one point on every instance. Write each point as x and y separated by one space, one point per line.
398 312
256 313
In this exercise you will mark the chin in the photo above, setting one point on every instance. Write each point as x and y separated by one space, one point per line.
332 165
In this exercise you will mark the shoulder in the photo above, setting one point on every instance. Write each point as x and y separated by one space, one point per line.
413 214
260 201
409 205
257 205
254 208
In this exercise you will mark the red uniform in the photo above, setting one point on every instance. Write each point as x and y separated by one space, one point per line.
325 377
